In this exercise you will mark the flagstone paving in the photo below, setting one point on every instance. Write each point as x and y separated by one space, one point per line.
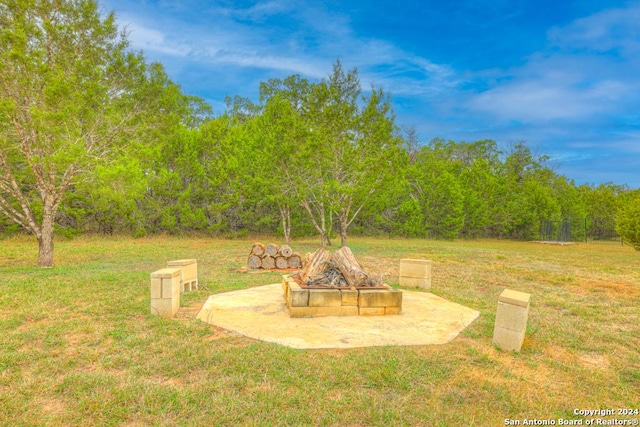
261 313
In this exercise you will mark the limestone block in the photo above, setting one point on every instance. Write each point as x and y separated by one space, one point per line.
169 279
170 288
415 273
325 298
189 269
296 296
380 298
165 307
302 311
165 292
337 311
349 297
509 296
420 268
156 287
415 282
511 320
323 311
392 310
372 311
166 273
512 317
508 339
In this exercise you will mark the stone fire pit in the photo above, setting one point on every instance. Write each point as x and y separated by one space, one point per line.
337 285
317 301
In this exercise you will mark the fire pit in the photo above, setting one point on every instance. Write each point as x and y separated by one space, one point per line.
336 285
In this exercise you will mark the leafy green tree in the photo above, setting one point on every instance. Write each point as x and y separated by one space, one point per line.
278 134
570 199
349 154
224 142
69 98
438 192
475 166
528 186
602 203
628 219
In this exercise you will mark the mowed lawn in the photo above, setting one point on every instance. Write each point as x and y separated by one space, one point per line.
79 347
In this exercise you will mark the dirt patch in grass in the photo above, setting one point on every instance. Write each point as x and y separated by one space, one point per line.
217 333
595 361
190 311
612 288
51 406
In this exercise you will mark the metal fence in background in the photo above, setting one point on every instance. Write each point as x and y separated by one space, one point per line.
588 230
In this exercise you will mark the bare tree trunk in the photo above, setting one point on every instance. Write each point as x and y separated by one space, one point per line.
45 239
342 223
324 236
329 230
285 214
322 227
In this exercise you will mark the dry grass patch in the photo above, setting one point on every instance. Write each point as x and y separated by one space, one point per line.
80 348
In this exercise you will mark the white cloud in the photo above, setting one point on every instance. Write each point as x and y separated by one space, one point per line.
576 86
263 9
315 39
610 30
150 39
543 98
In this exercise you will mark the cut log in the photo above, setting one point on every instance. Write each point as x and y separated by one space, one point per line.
286 251
254 261
282 262
295 260
268 262
318 262
257 249
271 250
349 267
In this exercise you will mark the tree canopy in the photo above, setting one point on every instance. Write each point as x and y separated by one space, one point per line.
93 138
72 95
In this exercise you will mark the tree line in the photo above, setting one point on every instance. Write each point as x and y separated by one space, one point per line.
93 138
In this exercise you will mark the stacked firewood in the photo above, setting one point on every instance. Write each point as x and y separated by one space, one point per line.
340 269
272 256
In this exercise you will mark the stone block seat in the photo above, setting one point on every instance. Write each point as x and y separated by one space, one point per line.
165 292
511 320
189 271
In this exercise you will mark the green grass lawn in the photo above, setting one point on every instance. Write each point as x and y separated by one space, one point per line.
79 347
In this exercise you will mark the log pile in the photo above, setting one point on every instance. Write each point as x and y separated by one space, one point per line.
340 269
272 256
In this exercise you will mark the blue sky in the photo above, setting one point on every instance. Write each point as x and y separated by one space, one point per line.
562 75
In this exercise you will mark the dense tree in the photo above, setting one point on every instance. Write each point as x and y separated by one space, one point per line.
602 203
278 135
628 219
437 192
92 138
349 154
475 166
69 98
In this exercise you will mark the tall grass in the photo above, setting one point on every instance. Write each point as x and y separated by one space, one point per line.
79 347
